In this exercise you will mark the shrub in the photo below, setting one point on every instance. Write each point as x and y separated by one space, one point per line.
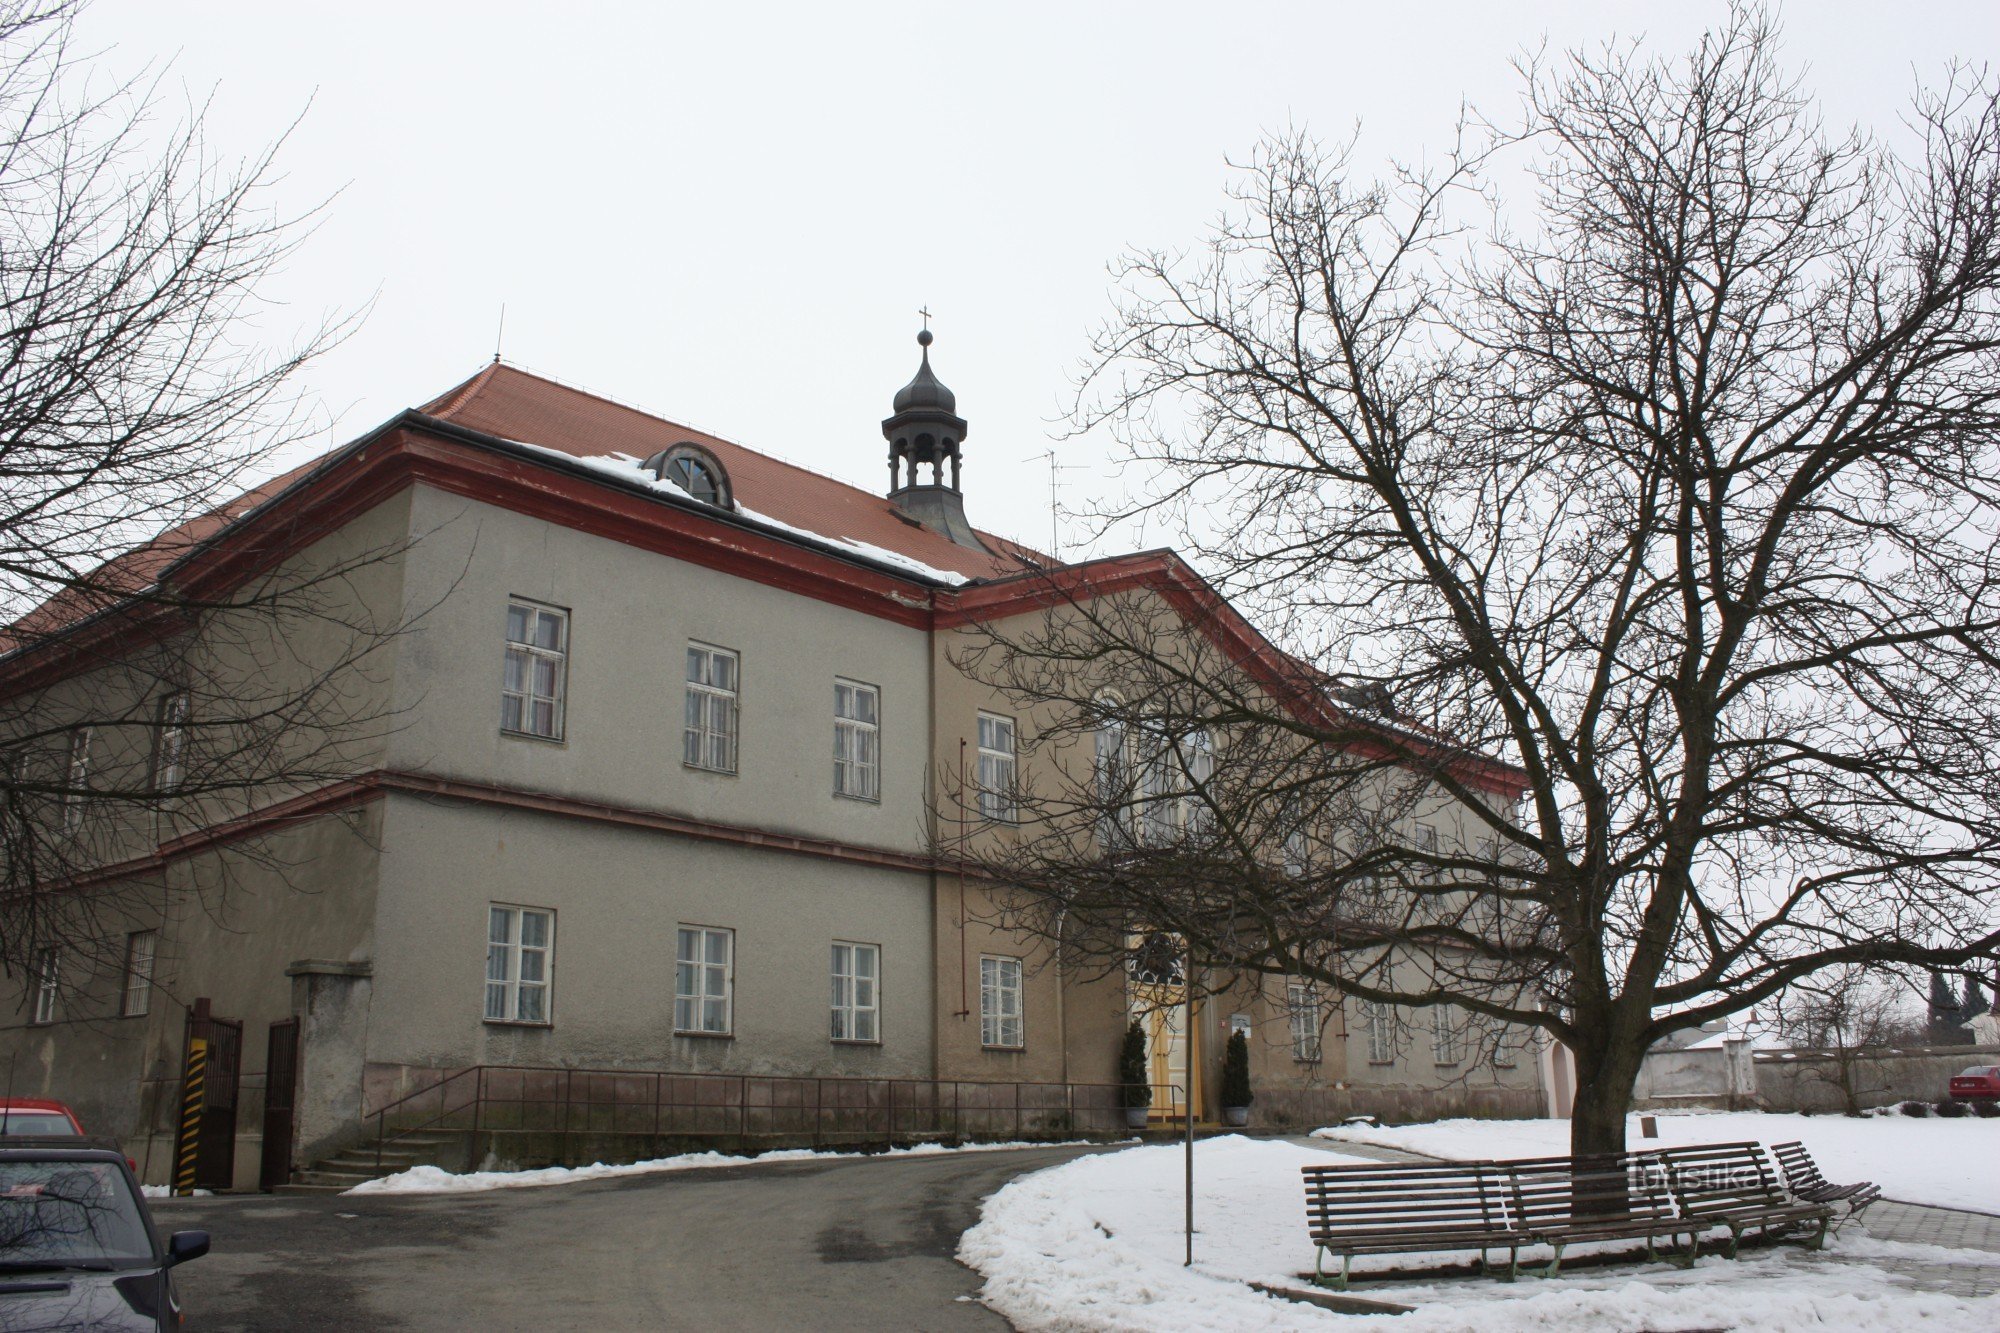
1134 1090
1236 1071
1917 1110
1951 1110
1986 1110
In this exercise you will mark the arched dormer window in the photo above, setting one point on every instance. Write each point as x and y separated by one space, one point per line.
695 470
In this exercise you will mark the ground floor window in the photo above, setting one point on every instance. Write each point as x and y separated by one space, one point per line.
704 966
1302 999
140 946
520 946
1381 1033
48 980
857 971
1000 1003
1444 1036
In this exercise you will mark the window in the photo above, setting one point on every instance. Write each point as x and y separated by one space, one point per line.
1381 1043
1112 769
857 1005
704 965
140 947
1000 1004
170 742
1197 753
48 967
710 738
694 470
78 778
531 687
996 767
519 942
1506 1049
1444 1036
1302 999
857 741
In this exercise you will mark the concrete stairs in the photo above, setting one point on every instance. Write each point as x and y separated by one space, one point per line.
351 1166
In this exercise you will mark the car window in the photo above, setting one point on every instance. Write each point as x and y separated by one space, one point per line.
1977 1071
61 1214
35 1123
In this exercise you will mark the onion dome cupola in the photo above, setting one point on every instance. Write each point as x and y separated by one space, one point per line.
925 430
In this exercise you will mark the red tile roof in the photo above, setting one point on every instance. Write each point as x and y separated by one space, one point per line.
515 405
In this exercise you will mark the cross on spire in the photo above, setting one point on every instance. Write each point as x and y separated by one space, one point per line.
925 311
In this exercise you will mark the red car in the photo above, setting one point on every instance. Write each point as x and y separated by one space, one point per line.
37 1117
1981 1083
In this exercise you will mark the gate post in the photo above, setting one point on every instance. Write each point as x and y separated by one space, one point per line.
191 1095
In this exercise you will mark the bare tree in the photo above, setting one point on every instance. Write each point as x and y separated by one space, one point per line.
1851 1016
1677 494
177 654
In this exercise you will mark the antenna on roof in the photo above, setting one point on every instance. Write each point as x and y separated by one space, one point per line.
1055 469
502 332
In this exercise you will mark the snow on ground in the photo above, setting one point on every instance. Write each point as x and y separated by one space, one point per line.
167 1192
434 1180
1097 1244
1949 1163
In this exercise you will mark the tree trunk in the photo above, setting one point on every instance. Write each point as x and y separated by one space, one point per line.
1604 1083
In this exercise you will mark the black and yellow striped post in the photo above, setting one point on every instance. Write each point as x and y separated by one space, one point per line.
190 1145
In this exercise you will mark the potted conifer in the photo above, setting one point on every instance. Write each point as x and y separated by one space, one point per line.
1236 1095
1135 1094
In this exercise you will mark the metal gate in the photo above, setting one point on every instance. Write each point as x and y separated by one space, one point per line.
205 1146
281 1081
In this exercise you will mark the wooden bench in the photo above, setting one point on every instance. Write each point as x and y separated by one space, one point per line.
1732 1185
1394 1208
1618 1196
1803 1179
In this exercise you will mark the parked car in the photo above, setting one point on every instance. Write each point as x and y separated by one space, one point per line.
1981 1083
34 1116
78 1248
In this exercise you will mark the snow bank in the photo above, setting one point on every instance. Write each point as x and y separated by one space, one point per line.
1948 1163
1096 1244
435 1180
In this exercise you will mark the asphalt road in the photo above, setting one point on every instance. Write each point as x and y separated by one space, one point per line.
849 1244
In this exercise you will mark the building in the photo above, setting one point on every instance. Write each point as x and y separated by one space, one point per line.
671 719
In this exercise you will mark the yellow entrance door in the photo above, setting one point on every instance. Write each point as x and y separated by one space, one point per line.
1162 1013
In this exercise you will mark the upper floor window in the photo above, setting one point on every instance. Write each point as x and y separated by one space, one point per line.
48 980
137 998
704 975
857 1005
531 688
709 736
857 734
520 944
1197 756
78 778
995 775
1112 771
170 742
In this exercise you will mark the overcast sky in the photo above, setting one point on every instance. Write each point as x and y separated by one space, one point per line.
729 214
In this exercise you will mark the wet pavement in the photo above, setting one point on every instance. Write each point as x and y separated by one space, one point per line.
848 1244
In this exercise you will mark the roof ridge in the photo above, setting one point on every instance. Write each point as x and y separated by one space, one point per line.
463 393
456 397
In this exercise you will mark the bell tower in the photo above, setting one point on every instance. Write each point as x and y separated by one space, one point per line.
924 430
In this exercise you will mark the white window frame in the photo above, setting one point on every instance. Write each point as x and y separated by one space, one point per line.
1001 1002
142 948
711 717
1111 776
78 778
1302 1007
170 749
530 653
996 771
48 983
700 981
1379 1024
512 955
1444 1036
856 1017
857 741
